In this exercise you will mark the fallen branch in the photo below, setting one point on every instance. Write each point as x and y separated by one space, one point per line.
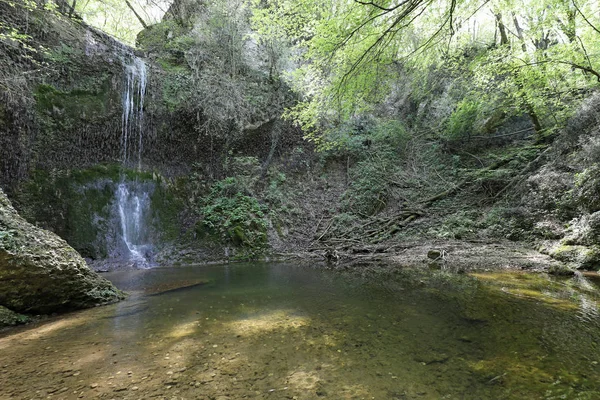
465 182
519 178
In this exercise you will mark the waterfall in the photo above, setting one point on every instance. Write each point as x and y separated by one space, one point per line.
133 200
133 114
133 211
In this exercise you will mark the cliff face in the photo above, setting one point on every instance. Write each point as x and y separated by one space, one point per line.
60 90
41 273
62 121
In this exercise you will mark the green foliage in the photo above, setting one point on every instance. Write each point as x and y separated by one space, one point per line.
586 192
369 191
167 35
377 149
213 70
7 239
18 36
10 318
461 225
235 217
352 57
246 169
10 34
64 54
362 133
274 194
461 122
177 89
513 223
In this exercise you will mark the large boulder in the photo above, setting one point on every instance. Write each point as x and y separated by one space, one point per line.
41 273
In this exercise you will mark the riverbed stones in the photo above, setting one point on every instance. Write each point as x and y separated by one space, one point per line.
41 273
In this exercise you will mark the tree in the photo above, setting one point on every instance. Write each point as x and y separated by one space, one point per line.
123 19
350 53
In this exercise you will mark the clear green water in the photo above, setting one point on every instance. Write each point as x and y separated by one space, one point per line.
279 331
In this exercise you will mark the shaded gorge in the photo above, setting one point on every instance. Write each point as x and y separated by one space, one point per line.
284 331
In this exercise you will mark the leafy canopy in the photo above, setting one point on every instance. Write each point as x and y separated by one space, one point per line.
535 56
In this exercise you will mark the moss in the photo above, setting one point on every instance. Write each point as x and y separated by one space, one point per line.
560 270
166 209
176 89
10 318
76 104
237 235
114 172
7 238
82 202
168 35
583 257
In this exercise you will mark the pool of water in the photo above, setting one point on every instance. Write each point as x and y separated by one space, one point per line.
281 331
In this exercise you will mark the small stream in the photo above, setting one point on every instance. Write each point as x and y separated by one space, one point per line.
281 331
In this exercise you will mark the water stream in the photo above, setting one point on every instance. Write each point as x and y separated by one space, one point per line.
281 331
132 202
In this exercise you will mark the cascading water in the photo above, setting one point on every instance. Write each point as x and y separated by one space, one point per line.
133 114
133 212
133 200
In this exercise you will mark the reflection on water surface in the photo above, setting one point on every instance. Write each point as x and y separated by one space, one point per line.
279 331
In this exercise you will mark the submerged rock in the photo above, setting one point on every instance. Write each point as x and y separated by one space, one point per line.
41 273
560 270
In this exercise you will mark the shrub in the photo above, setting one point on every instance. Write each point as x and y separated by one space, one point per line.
235 217
369 191
462 120
457 226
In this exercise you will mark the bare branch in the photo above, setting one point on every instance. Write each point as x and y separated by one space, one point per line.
585 18
373 4
136 14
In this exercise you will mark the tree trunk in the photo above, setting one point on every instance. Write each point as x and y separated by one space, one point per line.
275 136
502 29
519 32
138 16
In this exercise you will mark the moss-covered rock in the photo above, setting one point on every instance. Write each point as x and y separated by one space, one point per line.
41 273
11 318
560 270
582 257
